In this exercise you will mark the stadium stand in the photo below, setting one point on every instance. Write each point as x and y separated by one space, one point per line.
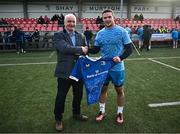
86 15
29 25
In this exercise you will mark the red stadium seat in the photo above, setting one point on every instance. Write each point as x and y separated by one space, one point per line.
43 28
31 29
28 25
2 29
49 28
50 25
38 28
60 28
55 28
38 25
55 24
25 29
96 28
93 21
32 25
22 25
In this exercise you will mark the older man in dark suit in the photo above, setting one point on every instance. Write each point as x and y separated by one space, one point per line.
69 44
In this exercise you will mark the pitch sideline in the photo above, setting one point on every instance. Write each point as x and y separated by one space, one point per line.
43 63
164 104
161 63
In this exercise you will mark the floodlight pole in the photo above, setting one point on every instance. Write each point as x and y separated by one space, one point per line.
121 13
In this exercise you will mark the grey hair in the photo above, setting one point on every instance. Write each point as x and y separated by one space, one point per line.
69 15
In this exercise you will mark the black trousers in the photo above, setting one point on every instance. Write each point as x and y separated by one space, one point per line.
63 88
145 43
19 46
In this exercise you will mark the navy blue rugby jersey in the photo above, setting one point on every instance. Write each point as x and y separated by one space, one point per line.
94 73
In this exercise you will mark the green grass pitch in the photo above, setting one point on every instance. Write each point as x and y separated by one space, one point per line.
27 95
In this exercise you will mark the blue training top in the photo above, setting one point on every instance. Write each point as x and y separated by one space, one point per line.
111 42
175 34
140 32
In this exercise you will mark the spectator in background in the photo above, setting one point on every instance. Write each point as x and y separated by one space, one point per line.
141 17
129 31
134 29
1 41
46 19
146 37
62 17
88 34
55 17
166 30
3 22
1 38
99 20
151 32
7 34
175 35
36 37
140 36
40 20
177 18
156 30
136 17
46 40
28 38
161 30
19 38
61 20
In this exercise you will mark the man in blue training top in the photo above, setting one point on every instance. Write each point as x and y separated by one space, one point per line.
113 42
128 29
140 35
175 38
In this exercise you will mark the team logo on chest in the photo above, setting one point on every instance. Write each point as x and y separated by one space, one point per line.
103 63
87 65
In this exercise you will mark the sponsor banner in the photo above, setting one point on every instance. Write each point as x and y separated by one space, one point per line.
155 37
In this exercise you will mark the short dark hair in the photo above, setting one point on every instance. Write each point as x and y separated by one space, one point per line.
108 10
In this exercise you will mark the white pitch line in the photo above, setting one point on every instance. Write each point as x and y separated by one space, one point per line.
136 59
164 64
152 58
177 57
24 64
50 56
27 58
135 49
164 104
39 63
24 58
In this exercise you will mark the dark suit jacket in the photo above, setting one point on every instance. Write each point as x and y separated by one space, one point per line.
67 54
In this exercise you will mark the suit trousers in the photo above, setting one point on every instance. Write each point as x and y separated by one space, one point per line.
63 88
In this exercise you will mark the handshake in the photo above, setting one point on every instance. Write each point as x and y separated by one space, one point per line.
85 49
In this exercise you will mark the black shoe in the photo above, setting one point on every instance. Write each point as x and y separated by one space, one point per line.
80 117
